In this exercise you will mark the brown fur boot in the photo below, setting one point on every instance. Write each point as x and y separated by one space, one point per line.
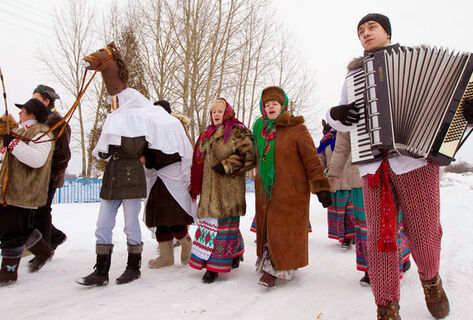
9 271
435 297
42 252
389 312
186 247
166 255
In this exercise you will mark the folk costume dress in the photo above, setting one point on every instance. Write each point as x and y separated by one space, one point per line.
340 215
288 171
222 197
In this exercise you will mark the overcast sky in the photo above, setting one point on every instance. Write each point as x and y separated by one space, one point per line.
325 32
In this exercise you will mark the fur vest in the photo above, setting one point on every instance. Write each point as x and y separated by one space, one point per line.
27 187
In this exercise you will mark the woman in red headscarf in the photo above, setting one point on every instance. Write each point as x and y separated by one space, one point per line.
222 155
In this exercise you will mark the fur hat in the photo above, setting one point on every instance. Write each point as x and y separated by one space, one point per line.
35 107
47 92
379 18
164 104
273 94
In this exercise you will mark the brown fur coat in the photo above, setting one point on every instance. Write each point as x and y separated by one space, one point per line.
224 196
283 221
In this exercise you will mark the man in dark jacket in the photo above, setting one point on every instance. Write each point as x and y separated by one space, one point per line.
61 157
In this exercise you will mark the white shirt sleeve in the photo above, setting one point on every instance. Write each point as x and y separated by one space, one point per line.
33 154
337 125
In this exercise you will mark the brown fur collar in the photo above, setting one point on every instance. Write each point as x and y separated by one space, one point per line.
355 64
288 120
236 132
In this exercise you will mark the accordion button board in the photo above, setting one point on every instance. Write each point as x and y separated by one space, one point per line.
411 103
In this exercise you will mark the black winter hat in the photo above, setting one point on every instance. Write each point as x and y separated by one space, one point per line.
379 18
48 92
164 104
35 107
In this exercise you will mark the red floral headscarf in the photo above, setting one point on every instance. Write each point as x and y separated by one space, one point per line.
200 149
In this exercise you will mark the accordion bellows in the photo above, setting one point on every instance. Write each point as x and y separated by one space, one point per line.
411 103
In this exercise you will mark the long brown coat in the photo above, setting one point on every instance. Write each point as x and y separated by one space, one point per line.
224 196
283 221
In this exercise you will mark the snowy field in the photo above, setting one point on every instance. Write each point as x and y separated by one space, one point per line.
327 288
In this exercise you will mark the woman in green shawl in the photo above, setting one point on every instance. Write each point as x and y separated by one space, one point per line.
288 171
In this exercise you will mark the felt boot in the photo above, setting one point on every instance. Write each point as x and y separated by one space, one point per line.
100 275
186 246
9 271
166 255
132 271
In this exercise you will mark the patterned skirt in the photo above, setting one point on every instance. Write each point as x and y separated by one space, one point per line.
341 224
226 245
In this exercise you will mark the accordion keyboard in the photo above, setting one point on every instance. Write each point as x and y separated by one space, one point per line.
360 140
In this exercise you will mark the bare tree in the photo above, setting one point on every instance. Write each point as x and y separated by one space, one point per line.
73 25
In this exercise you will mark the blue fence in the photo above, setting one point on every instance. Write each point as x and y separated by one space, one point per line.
78 191
88 190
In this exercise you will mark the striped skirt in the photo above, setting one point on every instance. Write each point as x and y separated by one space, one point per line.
341 224
227 245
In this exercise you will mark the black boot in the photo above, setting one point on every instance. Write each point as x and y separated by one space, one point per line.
365 281
209 277
100 275
236 262
42 253
9 271
132 271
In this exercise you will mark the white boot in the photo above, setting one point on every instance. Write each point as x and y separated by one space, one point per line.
186 245
166 255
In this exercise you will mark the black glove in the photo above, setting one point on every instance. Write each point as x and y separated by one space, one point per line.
468 110
324 198
219 169
7 138
345 113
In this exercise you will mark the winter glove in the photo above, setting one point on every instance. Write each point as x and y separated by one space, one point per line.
104 155
324 198
7 138
468 110
219 169
347 114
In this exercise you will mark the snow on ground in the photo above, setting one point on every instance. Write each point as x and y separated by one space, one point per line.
329 285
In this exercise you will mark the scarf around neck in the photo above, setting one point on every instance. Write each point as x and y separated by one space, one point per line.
264 136
201 146
328 140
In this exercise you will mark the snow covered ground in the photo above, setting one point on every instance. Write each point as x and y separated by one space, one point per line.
329 285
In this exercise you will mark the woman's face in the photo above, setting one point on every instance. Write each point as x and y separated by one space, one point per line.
216 113
273 109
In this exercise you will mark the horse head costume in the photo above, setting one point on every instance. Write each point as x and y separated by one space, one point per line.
109 63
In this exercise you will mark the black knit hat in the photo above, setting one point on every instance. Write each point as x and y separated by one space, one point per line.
35 107
47 92
379 18
164 104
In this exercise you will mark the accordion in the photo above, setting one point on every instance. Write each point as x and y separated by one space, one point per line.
410 102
